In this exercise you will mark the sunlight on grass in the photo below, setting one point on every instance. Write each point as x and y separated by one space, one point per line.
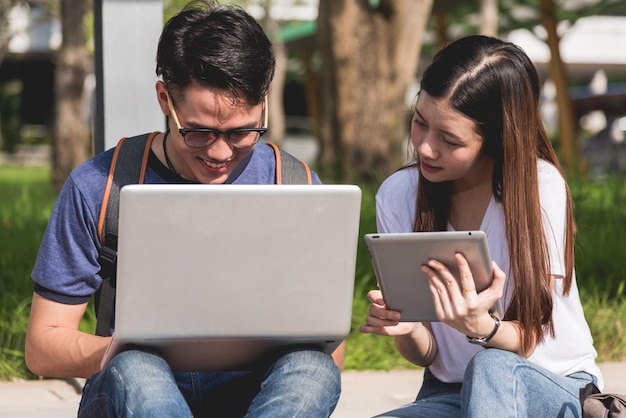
607 321
26 200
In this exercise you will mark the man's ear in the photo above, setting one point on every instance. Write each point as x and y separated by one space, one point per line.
266 111
162 95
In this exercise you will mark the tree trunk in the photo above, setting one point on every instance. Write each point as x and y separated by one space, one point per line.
276 109
567 123
489 17
440 22
70 133
312 92
369 59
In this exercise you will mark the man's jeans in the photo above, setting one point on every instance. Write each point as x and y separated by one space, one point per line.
498 384
303 383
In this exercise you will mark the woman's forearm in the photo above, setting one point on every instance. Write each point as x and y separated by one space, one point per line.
419 347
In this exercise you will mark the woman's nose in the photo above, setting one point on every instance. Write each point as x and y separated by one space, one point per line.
425 147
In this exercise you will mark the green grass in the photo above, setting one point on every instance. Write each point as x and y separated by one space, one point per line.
367 351
27 198
600 208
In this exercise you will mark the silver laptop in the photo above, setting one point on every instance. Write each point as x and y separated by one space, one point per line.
220 277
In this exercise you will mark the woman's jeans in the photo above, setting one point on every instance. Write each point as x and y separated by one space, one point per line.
302 383
498 384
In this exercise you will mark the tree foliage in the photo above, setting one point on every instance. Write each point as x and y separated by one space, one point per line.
5 33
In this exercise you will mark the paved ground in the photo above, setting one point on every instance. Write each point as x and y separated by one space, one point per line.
365 393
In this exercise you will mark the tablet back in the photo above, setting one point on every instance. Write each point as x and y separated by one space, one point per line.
215 277
397 259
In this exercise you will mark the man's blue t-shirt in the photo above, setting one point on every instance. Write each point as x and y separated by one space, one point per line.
66 268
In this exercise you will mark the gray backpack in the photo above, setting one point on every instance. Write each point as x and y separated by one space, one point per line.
601 405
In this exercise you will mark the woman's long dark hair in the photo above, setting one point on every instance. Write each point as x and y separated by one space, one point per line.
495 84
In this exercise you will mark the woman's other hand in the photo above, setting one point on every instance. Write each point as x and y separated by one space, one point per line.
383 321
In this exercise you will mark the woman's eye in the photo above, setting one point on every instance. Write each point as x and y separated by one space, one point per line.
419 122
449 142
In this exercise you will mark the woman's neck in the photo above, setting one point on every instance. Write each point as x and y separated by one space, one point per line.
469 205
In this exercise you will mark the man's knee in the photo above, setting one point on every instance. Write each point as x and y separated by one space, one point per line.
311 362
135 358
139 371
308 368
135 382
301 383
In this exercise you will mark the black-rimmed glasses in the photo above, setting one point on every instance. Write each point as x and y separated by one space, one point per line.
205 137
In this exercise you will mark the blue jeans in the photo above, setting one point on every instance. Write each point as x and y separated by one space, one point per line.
499 384
300 383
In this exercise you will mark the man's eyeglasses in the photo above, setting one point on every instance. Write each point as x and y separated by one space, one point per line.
205 137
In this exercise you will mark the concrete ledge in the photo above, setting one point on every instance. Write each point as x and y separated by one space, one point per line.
364 394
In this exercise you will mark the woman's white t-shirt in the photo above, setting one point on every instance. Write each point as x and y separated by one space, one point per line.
571 349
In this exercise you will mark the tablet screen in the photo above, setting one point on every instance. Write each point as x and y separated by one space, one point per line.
397 259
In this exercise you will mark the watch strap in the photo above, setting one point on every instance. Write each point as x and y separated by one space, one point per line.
485 340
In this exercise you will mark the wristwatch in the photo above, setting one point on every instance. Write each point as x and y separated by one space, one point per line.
484 341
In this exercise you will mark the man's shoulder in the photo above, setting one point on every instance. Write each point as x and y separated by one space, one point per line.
264 151
96 169
262 166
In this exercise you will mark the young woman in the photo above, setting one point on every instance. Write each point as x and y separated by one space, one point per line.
484 162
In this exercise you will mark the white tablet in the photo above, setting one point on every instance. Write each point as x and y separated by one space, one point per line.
397 259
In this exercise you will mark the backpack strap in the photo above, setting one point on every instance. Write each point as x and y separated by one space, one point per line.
123 170
289 169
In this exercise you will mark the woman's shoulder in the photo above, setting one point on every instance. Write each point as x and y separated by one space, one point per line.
548 174
401 181
395 200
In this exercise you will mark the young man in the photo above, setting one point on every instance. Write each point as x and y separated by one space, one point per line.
215 66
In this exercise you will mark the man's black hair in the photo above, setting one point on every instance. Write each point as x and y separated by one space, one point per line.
216 46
